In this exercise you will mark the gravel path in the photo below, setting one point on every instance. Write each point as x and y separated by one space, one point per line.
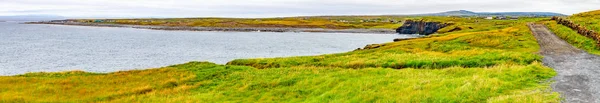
578 79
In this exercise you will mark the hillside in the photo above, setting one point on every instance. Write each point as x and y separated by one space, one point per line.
590 20
494 61
567 60
471 13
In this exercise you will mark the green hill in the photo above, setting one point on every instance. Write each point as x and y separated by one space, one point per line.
590 19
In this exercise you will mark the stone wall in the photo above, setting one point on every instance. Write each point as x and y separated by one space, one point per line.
580 29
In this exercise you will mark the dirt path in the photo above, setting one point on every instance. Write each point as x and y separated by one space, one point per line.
578 79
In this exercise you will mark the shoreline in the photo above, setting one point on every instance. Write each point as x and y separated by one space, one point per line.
223 63
225 29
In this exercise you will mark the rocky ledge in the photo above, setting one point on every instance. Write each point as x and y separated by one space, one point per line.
421 27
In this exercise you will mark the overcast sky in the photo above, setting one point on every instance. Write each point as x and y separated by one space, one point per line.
275 8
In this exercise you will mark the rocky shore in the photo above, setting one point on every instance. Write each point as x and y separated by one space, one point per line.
255 29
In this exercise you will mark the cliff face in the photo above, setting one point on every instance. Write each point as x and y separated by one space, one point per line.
420 27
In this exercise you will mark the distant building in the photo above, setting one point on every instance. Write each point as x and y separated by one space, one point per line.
489 18
514 18
344 21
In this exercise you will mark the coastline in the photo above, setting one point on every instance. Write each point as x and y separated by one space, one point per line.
225 29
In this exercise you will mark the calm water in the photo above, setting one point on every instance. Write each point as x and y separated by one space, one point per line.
50 48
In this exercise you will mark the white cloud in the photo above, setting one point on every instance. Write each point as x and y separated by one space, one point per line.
270 8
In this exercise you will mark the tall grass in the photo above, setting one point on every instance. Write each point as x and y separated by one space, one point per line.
207 82
495 61
590 19
573 37
88 87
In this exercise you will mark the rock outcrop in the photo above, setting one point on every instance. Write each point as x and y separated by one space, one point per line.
420 27
579 28
370 46
403 39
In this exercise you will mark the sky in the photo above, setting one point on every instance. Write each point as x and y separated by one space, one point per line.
279 8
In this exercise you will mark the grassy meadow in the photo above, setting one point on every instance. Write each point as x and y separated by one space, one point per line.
480 47
487 61
590 19
207 82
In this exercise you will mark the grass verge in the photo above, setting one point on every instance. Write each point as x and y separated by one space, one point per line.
573 37
590 19
207 82
493 61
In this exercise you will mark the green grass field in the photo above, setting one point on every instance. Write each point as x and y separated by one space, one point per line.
207 82
480 47
590 19
493 61
573 37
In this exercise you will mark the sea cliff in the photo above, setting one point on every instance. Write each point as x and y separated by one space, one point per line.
420 27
